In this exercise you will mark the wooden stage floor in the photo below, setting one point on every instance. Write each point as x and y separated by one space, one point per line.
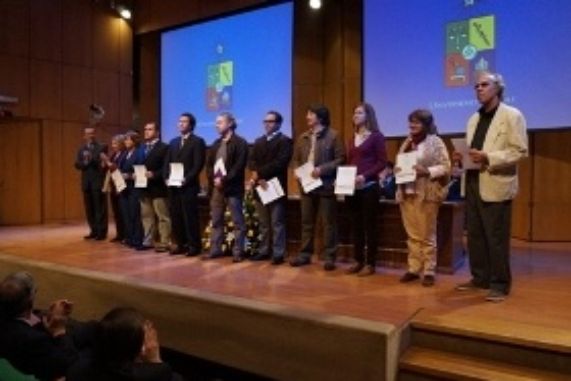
540 297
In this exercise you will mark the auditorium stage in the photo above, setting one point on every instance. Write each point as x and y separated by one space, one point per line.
288 323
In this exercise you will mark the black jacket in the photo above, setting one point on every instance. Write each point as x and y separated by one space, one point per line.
271 158
236 161
191 156
88 161
32 350
88 370
154 161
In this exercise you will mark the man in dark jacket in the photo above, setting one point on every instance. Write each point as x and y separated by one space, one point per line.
88 161
189 150
154 206
225 168
270 158
322 147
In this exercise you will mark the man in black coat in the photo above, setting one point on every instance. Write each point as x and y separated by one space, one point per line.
226 185
154 206
88 161
270 158
189 150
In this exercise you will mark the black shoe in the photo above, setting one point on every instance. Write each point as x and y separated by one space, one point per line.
428 281
90 236
368 270
143 248
409 277
177 251
260 257
496 296
161 249
329 266
193 252
356 268
277 261
116 239
299 261
470 286
238 258
100 238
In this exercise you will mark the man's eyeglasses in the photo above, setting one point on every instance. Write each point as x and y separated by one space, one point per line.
268 121
481 84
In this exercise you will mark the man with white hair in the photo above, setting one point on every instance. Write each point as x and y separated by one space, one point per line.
497 137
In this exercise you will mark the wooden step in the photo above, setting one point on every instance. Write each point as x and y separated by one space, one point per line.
419 363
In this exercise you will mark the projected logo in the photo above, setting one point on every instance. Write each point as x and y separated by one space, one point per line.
220 83
470 47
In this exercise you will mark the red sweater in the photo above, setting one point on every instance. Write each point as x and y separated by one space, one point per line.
370 157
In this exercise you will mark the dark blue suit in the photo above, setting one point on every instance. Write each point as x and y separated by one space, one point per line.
129 199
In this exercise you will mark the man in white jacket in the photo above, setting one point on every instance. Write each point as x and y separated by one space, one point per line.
497 137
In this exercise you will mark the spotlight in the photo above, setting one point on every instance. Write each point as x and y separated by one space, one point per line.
315 4
124 13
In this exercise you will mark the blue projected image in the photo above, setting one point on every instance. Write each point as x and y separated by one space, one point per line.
421 55
240 63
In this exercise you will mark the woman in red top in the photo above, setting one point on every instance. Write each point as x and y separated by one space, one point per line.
367 152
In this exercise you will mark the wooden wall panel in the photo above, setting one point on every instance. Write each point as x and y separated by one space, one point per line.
147 100
77 93
552 186
52 167
45 90
106 40
71 139
46 21
77 33
15 81
125 48
15 28
126 100
106 87
20 173
521 206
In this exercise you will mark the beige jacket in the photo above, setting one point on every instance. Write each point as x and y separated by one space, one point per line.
434 157
505 145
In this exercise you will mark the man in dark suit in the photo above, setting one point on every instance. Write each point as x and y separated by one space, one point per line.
189 150
226 185
154 205
32 343
270 158
88 161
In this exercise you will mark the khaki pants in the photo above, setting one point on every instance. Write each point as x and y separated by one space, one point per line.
155 214
419 218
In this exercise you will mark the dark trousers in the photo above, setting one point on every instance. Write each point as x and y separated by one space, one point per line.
185 220
96 211
117 215
218 204
272 227
364 206
131 210
313 205
489 225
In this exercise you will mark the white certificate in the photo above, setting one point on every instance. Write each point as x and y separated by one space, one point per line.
345 182
176 175
118 181
308 183
406 163
219 168
140 176
272 192
461 146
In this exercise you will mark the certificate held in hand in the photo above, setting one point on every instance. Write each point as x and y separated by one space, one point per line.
140 176
308 182
273 191
406 162
118 181
176 177
345 182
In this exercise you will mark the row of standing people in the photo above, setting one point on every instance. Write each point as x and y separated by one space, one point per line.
489 189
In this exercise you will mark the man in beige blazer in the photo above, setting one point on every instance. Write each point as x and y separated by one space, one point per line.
497 137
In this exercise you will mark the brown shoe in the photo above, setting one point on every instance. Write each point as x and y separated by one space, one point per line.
428 281
355 268
409 277
368 270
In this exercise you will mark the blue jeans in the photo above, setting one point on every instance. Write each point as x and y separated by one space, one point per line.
218 204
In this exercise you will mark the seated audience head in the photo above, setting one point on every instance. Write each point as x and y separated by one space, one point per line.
317 114
17 294
421 123
121 335
364 116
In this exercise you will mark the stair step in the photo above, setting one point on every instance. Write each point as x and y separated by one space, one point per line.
451 366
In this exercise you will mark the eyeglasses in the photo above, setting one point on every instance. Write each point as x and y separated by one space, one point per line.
268 121
481 84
